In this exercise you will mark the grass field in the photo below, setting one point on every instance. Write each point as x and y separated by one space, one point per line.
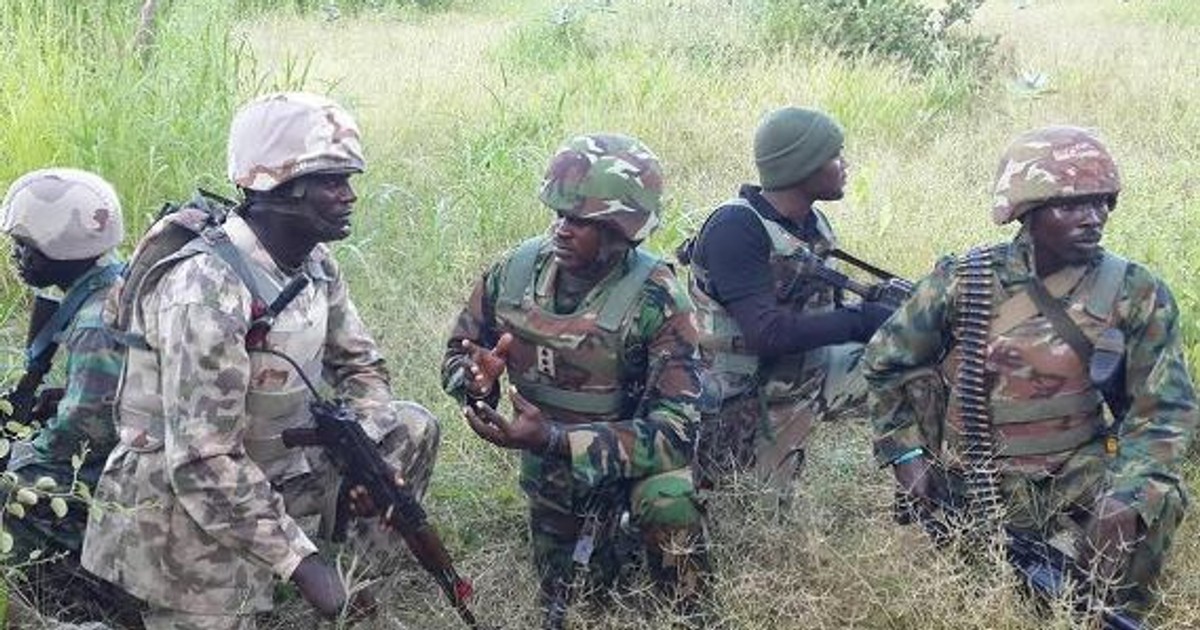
462 105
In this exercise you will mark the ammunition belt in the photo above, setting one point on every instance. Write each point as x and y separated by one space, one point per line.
974 302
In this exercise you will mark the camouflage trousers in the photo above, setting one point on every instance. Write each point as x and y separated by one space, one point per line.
764 431
410 448
1058 509
580 544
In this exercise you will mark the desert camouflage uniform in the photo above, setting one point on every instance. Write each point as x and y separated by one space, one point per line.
758 414
199 499
617 459
84 420
1047 418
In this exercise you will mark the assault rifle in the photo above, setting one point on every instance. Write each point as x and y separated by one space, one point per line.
355 456
23 397
892 291
1047 571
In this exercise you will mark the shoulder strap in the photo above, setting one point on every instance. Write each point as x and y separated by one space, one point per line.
1020 306
1062 323
625 292
261 293
42 348
518 272
1109 278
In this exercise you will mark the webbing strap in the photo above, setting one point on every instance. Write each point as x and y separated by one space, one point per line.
1038 409
1062 323
592 403
626 291
42 348
1108 283
519 277
518 274
260 292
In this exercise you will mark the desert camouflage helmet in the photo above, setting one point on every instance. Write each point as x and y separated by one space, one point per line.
278 137
1051 163
606 177
66 213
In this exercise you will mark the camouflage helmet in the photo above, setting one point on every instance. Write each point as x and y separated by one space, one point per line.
1057 162
278 137
606 177
66 213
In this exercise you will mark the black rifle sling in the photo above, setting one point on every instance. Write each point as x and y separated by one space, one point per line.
878 272
1062 323
972 329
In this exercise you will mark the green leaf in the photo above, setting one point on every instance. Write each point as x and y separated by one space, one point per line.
58 505
83 491
6 408
76 462
16 509
27 496
45 483
35 554
4 447
6 542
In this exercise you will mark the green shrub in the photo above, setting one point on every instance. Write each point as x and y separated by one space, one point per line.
905 31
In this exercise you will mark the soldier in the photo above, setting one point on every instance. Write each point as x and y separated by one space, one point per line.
597 338
780 347
1106 489
65 225
205 494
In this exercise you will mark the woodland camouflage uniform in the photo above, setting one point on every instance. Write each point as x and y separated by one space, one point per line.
1047 418
200 497
759 413
620 371
759 410
68 214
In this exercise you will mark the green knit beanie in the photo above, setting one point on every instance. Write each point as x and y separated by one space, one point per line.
792 143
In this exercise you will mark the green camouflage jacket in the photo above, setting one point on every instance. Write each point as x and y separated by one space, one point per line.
659 339
1153 436
85 413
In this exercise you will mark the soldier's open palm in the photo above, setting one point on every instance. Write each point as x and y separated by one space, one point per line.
528 429
486 365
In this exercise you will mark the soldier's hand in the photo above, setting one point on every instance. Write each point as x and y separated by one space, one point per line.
320 586
1109 538
362 505
45 406
913 478
872 315
486 365
529 429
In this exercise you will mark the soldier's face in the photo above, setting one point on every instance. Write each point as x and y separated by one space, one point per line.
327 203
828 183
579 244
34 267
39 270
1069 232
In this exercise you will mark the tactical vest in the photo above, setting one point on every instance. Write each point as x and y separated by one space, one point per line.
570 364
276 398
731 369
1043 405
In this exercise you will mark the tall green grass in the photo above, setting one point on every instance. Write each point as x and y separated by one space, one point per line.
462 106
